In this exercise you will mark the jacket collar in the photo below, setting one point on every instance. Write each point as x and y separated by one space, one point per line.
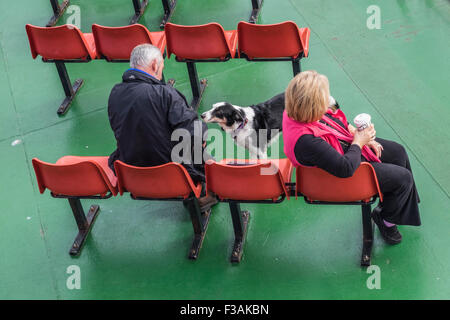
134 75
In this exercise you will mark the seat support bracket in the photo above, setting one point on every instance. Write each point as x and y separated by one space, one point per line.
69 89
256 5
367 235
139 8
240 225
198 87
169 8
200 221
84 224
58 11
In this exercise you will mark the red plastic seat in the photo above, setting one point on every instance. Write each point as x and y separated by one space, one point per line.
65 42
318 185
232 180
167 181
281 40
76 176
202 42
116 43
243 181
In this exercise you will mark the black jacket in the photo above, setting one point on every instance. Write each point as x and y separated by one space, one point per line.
143 113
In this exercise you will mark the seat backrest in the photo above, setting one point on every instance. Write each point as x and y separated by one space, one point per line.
244 182
318 185
170 180
82 179
201 42
58 43
279 40
116 43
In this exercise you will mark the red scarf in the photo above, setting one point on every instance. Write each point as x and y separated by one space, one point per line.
293 130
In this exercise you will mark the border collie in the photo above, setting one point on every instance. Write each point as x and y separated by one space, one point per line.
254 127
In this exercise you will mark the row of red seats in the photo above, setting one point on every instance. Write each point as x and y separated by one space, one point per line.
78 178
190 44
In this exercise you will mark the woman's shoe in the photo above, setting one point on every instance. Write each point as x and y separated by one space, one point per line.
390 234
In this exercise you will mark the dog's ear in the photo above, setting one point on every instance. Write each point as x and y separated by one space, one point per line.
239 116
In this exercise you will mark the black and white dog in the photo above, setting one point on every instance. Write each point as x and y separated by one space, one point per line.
254 127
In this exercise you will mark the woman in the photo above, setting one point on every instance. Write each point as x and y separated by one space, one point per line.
315 135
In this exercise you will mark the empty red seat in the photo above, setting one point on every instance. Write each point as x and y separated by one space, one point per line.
281 41
77 178
249 180
202 42
116 43
166 181
60 45
319 187
65 42
244 181
169 181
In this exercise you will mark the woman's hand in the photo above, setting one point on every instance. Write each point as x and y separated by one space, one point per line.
363 137
376 147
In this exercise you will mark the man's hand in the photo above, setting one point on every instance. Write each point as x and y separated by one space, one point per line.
376 147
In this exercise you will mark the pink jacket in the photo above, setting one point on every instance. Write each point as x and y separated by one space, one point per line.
293 130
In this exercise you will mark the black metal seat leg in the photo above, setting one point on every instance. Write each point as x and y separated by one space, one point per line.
256 8
58 11
200 223
139 8
169 7
367 235
296 67
198 87
84 224
240 225
69 89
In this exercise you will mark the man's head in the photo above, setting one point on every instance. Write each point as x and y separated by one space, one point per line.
148 58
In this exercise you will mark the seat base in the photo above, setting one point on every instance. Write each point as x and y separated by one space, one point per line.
60 8
139 8
198 238
83 233
68 100
238 247
255 11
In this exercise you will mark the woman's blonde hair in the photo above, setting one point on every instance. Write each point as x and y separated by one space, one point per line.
307 96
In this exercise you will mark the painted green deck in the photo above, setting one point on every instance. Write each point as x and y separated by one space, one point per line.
399 74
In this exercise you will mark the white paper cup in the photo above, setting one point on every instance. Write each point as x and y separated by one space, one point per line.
362 121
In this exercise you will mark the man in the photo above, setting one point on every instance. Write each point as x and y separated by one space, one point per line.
144 112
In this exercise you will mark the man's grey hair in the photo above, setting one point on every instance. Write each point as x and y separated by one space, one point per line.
143 55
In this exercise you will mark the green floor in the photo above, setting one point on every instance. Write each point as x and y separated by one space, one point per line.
399 74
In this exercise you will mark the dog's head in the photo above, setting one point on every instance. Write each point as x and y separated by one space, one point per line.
228 116
334 105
